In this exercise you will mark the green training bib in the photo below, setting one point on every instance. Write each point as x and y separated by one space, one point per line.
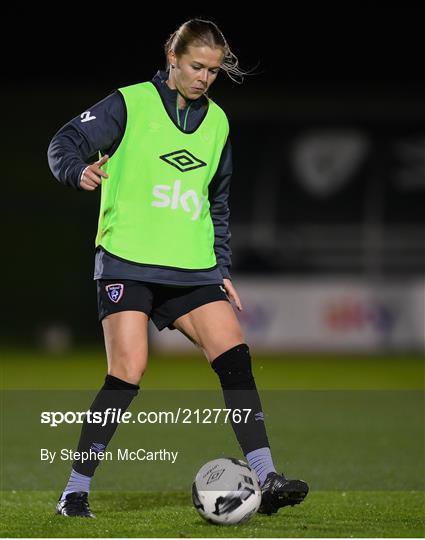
154 206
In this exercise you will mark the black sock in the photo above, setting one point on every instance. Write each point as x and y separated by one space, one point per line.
234 370
117 394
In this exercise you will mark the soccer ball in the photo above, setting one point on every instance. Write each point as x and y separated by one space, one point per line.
226 491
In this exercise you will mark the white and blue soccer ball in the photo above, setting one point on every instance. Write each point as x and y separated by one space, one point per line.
226 491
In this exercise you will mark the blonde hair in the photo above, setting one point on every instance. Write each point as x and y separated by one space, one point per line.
199 32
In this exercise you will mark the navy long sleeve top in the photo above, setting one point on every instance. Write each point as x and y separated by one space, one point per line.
100 129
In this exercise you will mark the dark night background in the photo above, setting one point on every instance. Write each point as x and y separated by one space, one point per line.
346 66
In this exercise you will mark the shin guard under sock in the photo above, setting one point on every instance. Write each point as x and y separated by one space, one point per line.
95 437
240 392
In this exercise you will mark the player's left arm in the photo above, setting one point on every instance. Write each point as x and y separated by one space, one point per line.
219 191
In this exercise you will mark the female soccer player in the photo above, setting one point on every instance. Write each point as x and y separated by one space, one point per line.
162 245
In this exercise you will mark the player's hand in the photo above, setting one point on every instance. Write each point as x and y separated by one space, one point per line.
92 175
232 294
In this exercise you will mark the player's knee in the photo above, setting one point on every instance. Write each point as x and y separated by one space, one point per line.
128 370
221 344
131 364
234 368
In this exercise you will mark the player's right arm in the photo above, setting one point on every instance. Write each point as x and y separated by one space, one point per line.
99 129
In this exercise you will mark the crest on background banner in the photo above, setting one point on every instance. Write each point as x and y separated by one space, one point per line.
326 160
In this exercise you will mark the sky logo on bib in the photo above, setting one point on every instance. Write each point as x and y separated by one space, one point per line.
173 197
115 291
183 160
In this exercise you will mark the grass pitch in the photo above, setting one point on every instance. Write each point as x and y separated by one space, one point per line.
353 427
151 514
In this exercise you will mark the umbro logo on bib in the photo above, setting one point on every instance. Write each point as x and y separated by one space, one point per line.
183 160
115 291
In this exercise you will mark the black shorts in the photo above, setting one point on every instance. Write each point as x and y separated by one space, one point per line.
162 303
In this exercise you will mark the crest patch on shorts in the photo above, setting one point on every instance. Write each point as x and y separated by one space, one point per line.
115 291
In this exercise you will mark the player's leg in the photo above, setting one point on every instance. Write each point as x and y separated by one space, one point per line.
213 327
216 329
126 342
